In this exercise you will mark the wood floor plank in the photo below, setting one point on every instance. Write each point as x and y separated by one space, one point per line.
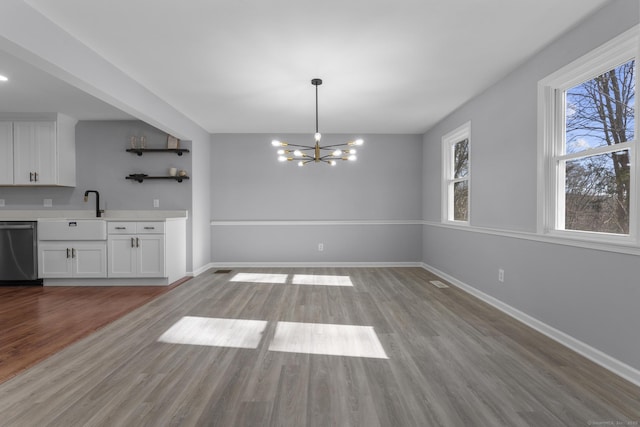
291 401
453 360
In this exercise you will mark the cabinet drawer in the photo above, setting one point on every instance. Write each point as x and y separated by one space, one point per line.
121 228
150 228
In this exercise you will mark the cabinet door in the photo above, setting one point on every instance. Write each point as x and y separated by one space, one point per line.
122 256
54 260
150 248
34 151
89 259
6 153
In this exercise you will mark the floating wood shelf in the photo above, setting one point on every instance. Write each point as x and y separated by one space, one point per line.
141 178
139 151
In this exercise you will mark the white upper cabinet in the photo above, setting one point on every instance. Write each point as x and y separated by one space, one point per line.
6 153
42 152
34 153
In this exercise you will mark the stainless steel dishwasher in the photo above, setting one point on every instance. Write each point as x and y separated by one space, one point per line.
18 253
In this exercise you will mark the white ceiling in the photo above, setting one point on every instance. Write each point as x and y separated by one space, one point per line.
389 66
31 90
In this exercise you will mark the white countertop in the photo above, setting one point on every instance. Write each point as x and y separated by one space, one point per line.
111 215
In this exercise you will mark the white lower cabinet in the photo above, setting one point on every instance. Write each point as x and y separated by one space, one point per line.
72 259
136 249
134 253
136 256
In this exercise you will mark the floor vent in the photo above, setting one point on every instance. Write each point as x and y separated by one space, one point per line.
438 284
222 272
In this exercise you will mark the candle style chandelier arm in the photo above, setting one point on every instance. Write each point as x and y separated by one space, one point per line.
329 154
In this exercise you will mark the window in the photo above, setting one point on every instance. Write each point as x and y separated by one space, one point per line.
456 175
588 144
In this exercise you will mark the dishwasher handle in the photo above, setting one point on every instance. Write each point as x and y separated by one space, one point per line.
16 227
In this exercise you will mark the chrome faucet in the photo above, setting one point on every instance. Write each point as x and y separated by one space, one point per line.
86 199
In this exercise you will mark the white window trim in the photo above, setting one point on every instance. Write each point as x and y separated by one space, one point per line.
615 52
448 142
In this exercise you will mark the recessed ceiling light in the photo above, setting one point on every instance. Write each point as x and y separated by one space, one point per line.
3 78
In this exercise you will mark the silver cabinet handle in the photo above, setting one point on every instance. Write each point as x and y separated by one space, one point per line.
133 243
67 252
149 228
30 176
36 175
137 242
121 228
73 252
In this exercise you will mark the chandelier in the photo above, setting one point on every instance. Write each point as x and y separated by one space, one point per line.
317 153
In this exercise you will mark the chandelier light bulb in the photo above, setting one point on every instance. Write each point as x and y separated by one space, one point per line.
298 153
351 151
352 158
300 163
277 143
337 153
282 159
332 162
358 142
317 136
281 152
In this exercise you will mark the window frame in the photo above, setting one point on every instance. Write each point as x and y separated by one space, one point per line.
551 139
449 141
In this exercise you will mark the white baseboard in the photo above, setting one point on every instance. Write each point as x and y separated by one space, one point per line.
162 281
619 368
201 270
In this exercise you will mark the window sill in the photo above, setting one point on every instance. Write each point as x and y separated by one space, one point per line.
462 224
593 237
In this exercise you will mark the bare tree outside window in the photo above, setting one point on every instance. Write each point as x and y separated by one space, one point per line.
456 175
461 188
599 113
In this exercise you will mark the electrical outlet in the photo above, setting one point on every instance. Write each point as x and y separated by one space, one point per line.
47 203
1 203
500 275
320 247
156 203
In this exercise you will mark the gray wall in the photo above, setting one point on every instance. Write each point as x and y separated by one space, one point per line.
248 183
102 164
589 294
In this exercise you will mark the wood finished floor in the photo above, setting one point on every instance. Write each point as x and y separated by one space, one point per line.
37 321
453 361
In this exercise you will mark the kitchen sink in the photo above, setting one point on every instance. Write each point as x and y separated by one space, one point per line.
72 229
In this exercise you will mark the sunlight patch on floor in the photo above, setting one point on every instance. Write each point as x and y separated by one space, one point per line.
320 338
214 332
323 280
259 278
296 279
